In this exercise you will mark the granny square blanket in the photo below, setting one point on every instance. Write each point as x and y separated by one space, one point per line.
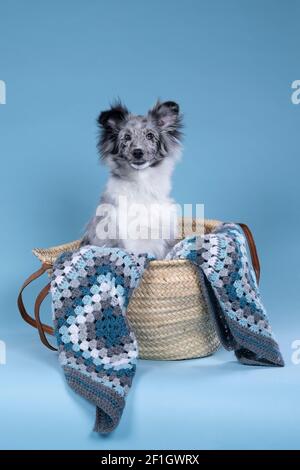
91 289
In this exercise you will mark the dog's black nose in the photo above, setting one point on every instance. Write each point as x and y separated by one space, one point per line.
138 153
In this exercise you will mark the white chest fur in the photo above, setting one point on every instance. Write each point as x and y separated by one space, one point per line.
145 217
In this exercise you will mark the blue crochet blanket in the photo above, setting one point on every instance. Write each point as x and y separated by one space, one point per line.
91 289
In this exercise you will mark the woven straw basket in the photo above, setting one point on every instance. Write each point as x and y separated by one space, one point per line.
167 311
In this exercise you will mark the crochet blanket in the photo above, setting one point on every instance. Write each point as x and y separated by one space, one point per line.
91 289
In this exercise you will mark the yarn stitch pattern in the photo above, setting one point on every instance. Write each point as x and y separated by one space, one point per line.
232 292
97 349
91 289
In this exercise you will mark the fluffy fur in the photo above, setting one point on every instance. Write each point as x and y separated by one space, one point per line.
141 152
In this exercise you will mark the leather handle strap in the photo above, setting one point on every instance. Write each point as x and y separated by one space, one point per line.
41 326
36 322
252 249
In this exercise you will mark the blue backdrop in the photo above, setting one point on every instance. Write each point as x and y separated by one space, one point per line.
230 64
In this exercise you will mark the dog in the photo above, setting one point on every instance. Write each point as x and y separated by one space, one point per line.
136 212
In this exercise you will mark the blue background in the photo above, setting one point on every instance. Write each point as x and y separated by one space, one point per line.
230 65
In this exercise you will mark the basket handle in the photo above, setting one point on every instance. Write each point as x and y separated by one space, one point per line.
252 249
36 322
43 328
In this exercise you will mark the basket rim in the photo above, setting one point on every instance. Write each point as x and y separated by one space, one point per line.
48 255
168 262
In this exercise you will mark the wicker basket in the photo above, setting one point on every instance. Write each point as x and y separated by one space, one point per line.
167 311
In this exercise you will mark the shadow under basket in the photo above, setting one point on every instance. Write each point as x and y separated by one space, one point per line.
167 312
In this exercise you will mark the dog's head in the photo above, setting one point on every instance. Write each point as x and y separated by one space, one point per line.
130 143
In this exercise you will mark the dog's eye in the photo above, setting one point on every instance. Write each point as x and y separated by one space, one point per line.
150 136
127 137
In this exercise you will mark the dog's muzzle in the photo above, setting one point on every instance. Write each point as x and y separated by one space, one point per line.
140 164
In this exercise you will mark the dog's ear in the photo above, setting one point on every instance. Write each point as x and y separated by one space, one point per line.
112 118
110 122
167 117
